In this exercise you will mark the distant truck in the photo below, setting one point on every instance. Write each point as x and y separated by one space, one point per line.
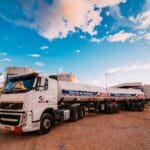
146 90
136 85
32 101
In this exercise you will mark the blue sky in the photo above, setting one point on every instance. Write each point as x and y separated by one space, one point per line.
85 37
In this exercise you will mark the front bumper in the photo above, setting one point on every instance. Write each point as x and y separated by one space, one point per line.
17 121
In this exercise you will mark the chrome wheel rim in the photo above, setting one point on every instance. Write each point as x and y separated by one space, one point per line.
46 123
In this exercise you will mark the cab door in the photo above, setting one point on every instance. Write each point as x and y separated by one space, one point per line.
44 96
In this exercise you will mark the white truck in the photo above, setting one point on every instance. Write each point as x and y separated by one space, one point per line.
32 101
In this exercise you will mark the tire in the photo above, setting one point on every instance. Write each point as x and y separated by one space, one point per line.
132 106
110 109
117 108
138 106
123 106
141 106
102 108
46 123
81 112
74 114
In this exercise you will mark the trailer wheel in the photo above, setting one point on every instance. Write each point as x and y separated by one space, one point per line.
141 106
117 108
138 106
132 106
110 109
46 123
81 112
74 114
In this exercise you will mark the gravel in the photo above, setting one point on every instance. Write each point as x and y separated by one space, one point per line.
123 131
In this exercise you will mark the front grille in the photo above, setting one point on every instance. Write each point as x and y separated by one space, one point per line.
11 105
9 119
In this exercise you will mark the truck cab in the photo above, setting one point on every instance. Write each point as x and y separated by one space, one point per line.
24 99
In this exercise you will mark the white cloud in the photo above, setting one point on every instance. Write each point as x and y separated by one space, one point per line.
95 82
121 36
142 20
34 55
115 12
141 35
5 59
107 32
82 37
91 81
44 47
2 78
129 68
64 16
5 18
105 25
97 40
147 4
77 51
39 64
138 72
3 54
107 13
146 36
60 70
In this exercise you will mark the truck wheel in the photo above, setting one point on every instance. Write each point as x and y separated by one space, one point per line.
74 115
81 112
46 123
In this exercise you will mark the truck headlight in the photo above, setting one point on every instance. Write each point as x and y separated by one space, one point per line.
24 119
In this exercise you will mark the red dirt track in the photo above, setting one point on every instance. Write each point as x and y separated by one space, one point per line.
123 131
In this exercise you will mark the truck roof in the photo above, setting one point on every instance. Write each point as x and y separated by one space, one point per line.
19 70
22 75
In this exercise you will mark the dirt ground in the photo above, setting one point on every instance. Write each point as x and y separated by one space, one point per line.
123 131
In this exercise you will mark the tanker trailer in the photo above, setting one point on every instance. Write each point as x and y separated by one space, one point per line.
129 99
75 92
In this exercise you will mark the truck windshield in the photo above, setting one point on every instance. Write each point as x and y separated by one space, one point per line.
19 84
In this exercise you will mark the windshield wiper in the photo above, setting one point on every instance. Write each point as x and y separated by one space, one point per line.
19 90
13 91
7 91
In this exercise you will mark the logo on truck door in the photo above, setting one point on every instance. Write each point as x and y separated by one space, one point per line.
41 99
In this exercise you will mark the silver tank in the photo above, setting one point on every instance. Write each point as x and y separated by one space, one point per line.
80 92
